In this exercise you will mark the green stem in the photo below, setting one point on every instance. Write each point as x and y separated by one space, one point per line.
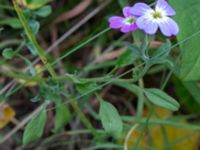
140 105
32 39
19 76
82 116
9 43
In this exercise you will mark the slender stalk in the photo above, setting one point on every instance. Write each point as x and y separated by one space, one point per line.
16 75
140 105
82 116
9 42
31 37
130 132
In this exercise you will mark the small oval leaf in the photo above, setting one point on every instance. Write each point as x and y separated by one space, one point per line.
126 58
62 116
44 11
86 87
110 118
35 128
160 98
8 53
12 22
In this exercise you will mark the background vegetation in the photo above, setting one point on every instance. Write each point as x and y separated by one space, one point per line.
67 81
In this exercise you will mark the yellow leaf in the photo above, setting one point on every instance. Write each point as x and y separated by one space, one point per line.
6 115
178 138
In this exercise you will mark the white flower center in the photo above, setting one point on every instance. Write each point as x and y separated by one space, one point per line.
158 15
129 20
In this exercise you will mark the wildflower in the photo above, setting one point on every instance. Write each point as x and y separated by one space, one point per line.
125 24
151 19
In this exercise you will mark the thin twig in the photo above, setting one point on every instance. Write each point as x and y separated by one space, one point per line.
78 9
128 136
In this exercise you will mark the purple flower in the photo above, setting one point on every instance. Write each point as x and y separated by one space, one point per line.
125 24
151 19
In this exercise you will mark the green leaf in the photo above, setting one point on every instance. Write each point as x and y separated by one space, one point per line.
188 22
35 128
188 94
126 58
132 47
34 25
194 89
161 99
128 86
34 4
12 22
8 53
139 37
86 87
161 55
62 116
51 90
110 118
44 11
31 48
29 45
28 62
163 51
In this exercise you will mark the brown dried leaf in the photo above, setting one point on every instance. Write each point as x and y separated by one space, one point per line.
6 114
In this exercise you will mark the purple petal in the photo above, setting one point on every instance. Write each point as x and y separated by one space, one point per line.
134 26
127 11
125 29
163 5
128 28
147 25
169 27
116 22
140 9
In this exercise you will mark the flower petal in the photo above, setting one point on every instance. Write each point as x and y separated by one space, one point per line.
127 11
169 27
134 26
140 9
116 22
125 29
128 28
147 25
163 5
